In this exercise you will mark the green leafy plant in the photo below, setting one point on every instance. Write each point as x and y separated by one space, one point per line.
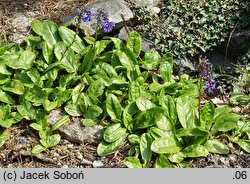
106 81
187 28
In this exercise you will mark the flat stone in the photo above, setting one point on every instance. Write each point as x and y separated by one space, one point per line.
73 130
115 8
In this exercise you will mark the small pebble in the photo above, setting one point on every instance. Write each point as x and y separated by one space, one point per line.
65 166
70 146
23 140
232 159
59 151
97 163
79 156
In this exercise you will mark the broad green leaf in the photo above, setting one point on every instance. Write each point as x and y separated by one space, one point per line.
166 145
37 27
166 67
88 122
77 93
101 45
145 148
6 47
87 61
134 139
134 43
125 60
132 162
3 138
151 60
134 91
66 58
157 133
114 132
163 162
96 88
72 109
53 140
113 107
38 149
195 151
224 109
48 105
24 61
27 110
215 146
105 148
35 77
47 52
36 126
117 42
93 112
225 122
64 119
50 33
165 124
32 42
168 105
14 86
6 98
70 38
144 104
186 107
177 157
36 95
183 132
244 144
207 115
148 118
4 70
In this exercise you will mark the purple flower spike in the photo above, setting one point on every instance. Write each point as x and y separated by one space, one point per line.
107 26
207 76
87 14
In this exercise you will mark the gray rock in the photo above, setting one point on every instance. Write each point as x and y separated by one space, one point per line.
151 5
97 163
185 63
75 131
20 24
116 9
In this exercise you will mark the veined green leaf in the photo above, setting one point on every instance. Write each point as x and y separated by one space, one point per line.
87 61
133 138
35 77
47 52
72 109
27 110
225 122
36 95
114 132
166 67
37 27
105 148
24 61
6 98
166 145
195 151
70 37
244 144
145 147
183 132
50 33
207 115
96 88
177 157
4 70
113 107
38 149
3 138
93 112
64 119
36 126
134 43
132 162
144 104
148 118
186 107
14 86
151 60
215 146
163 162
134 91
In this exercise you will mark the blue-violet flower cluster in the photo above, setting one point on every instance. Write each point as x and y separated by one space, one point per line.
101 17
207 76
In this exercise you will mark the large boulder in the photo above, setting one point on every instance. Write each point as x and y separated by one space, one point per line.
118 12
